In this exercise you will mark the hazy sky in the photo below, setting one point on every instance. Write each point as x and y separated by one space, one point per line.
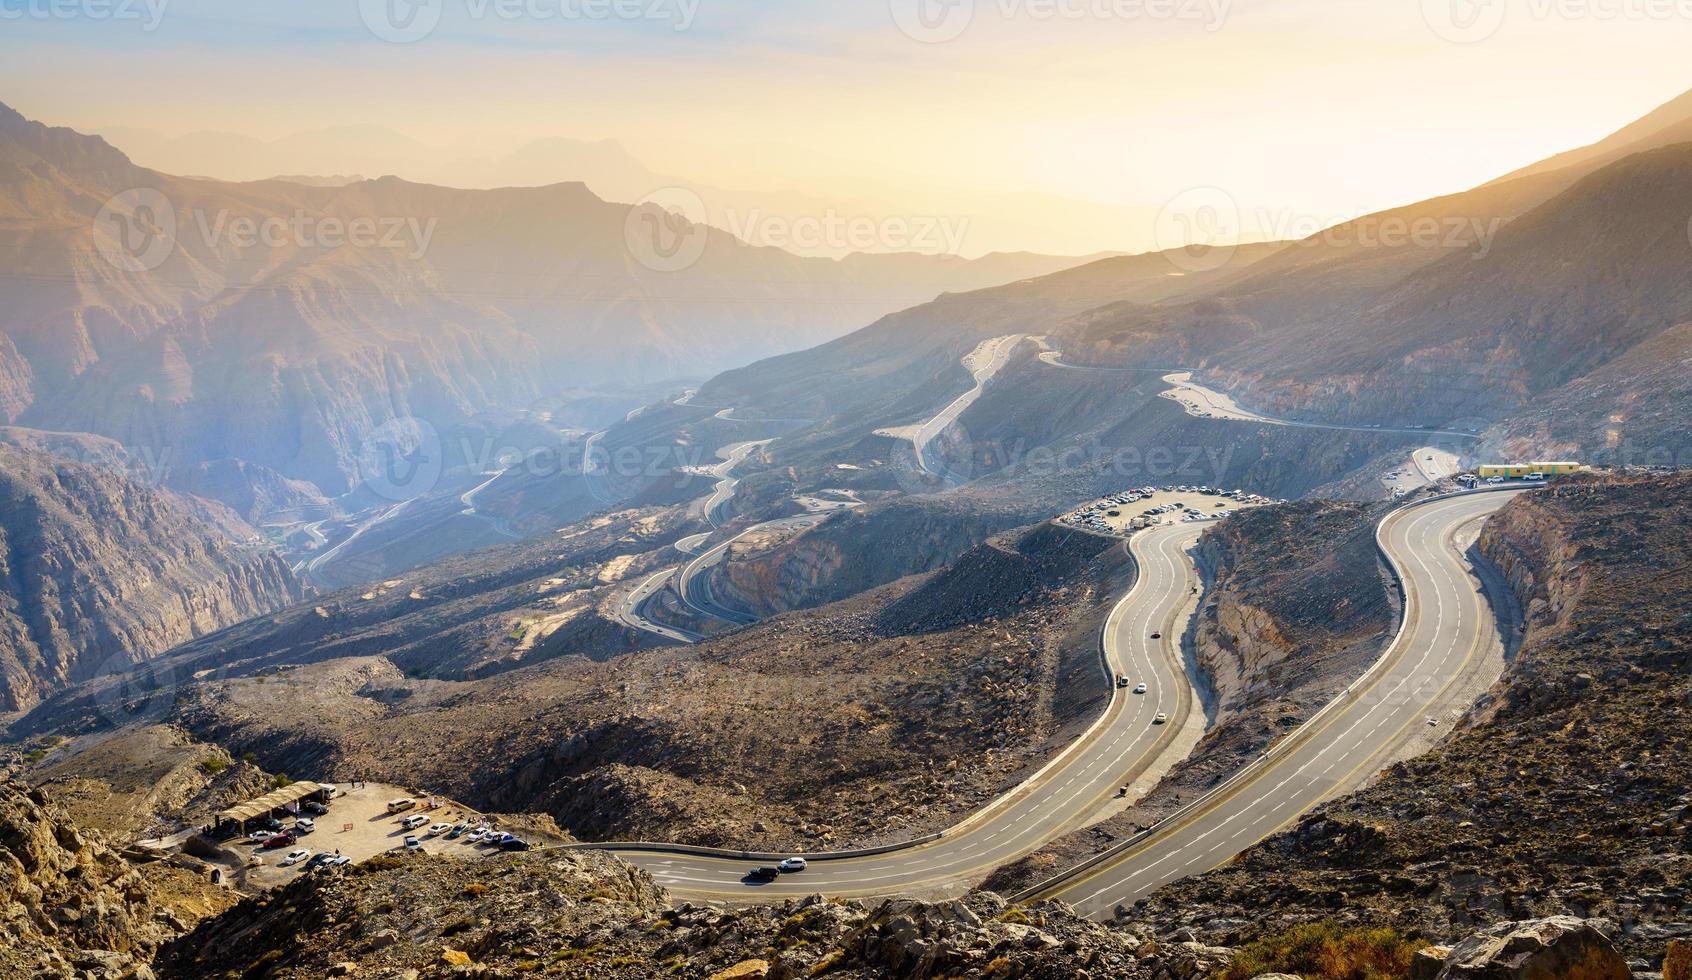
1296 107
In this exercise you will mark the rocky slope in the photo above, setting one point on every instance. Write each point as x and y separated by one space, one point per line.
70 906
912 718
829 562
1565 792
589 916
98 573
580 914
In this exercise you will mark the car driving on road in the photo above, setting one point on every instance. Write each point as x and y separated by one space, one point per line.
1139 689
763 873
1161 719
792 865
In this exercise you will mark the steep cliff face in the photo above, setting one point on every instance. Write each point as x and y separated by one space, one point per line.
98 573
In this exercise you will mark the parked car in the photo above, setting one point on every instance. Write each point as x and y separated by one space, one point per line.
792 865
412 843
258 836
763 873
458 829
414 821
341 861
474 836
294 857
439 828
272 824
304 825
284 839
513 845
314 808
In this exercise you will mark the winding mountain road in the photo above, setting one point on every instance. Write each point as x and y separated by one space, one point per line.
983 363
1447 629
1064 795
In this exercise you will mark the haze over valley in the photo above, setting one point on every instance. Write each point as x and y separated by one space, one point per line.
1086 492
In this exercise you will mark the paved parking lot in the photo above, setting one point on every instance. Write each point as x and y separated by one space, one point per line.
359 825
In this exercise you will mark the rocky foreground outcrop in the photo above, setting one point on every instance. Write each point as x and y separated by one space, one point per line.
587 915
71 906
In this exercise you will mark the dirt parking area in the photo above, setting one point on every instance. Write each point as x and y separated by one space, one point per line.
359 826
1177 505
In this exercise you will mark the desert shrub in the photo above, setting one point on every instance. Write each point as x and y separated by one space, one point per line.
1324 951
280 780
381 862
213 765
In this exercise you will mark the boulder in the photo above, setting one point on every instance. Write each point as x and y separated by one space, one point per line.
1539 949
1427 963
744 970
1677 964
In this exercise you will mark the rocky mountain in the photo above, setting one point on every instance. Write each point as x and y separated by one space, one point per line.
1562 291
98 573
1512 304
280 323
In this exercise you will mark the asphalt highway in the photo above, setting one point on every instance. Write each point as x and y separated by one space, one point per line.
1447 623
1063 796
1448 626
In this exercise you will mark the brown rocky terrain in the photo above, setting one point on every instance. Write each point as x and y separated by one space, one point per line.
98 573
586 915
829 562
143 783
1564 793
912 717
71 906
